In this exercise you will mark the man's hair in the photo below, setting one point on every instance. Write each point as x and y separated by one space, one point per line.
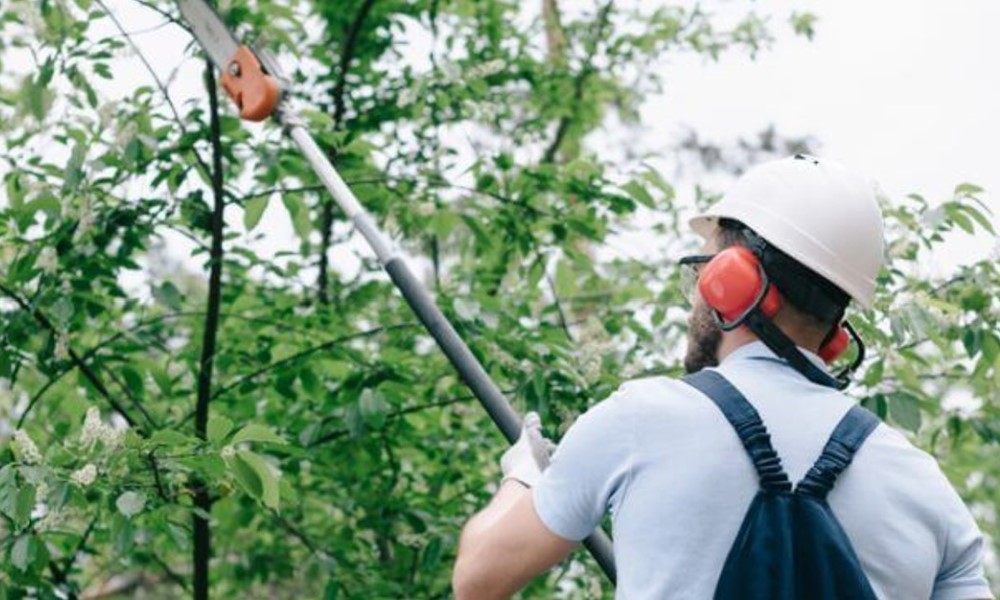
808 293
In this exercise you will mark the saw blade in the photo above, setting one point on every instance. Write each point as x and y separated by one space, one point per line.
219 43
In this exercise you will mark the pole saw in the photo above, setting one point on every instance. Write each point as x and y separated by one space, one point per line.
251 78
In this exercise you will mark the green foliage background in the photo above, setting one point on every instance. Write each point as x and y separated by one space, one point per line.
340 455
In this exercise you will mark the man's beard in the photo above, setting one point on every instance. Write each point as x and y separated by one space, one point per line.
703 339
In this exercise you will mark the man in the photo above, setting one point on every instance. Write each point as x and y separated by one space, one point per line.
663 460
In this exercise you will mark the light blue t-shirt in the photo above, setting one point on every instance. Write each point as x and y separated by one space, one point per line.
661 457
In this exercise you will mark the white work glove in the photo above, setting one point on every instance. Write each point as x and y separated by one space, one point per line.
526 459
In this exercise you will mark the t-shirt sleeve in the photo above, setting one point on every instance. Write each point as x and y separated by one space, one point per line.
961 575
589 470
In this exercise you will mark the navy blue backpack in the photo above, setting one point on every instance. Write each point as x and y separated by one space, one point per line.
790 545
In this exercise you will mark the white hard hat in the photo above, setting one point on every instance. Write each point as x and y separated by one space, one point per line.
816 211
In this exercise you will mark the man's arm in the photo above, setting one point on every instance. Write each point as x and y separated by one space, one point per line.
504 546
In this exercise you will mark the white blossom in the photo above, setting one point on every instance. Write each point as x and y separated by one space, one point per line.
86 220
227 452
48 260
31 17
112 437
125 134
406 97
107 112
92 427
130 503
85 475
487 68
53 519
26 448
450 71
62 346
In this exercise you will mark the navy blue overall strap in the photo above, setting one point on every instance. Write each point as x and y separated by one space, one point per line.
846 439
746 421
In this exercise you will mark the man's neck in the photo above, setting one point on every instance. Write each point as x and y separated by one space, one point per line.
741 336
732 340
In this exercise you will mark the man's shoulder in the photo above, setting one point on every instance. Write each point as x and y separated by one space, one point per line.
651 398
888 451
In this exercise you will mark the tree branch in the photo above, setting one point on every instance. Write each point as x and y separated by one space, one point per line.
339 433
307 352
170 573
89 373
563 322
202 548
152 72
346 56
579 83
555 36
169 17
339 108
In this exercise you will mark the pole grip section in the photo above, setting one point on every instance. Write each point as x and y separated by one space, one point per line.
475 376
599 546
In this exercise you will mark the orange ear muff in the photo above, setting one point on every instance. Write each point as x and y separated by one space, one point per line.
732 282
836 345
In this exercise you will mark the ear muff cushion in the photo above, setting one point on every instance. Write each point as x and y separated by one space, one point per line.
835 346
731 281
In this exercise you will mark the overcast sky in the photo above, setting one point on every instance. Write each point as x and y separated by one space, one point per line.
908 92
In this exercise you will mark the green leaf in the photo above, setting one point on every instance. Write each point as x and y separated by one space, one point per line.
904 408
876 403
8 490
23 504
299 214
639 193
565 280
209 466
246 476
967 189
218 428
122 534
134 381
373 408
74 169
653 176
257 433
15 192
169 437
22 553
168 295
259 476
431 558
253 210
972 340
979 217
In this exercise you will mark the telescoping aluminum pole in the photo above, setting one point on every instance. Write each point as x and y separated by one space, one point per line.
255 89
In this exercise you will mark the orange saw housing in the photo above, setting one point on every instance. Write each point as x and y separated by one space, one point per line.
255 92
